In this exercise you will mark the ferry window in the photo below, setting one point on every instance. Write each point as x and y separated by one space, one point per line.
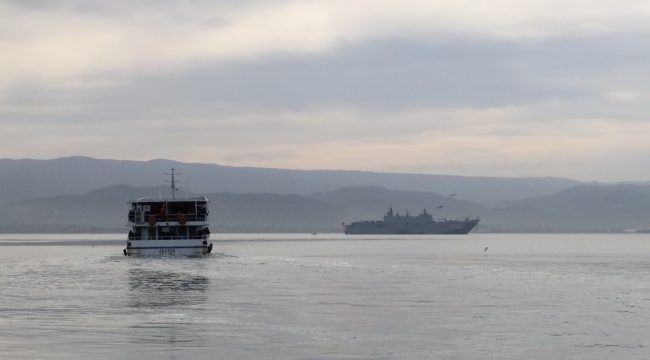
182 231
165 229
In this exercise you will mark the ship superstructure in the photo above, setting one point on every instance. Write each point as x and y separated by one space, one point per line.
407 224
169 226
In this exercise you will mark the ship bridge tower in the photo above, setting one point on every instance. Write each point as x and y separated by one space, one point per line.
389 214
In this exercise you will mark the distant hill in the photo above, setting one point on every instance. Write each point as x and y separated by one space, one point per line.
273 213
105 210
102 210
32 179
582 208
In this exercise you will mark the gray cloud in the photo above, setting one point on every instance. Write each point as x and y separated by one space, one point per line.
560 103
378 75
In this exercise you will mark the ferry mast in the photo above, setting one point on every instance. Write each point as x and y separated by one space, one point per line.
173 183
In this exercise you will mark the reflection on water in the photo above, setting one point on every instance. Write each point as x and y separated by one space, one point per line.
166 298
155 288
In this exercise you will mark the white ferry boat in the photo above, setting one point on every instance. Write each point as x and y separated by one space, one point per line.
163 226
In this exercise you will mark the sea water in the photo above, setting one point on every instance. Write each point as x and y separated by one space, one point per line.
329 297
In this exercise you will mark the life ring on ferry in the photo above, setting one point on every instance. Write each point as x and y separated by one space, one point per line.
182 219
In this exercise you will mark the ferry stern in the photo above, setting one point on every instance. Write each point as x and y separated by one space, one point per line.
162 226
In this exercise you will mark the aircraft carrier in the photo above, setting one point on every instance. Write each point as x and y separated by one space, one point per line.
421 224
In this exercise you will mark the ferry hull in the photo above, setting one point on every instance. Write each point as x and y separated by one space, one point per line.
184 247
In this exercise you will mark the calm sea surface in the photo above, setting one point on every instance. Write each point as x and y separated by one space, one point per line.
329 297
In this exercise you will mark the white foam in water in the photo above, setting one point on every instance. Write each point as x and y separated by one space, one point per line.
329 297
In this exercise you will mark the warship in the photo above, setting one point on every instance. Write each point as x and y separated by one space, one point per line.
421 224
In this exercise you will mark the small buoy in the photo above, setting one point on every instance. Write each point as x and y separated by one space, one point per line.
209 248
485 249
124 250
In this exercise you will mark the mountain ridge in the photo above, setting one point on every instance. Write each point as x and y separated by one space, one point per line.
30 178
583 208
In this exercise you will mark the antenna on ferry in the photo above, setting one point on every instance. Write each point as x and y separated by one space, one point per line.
159 185
174 189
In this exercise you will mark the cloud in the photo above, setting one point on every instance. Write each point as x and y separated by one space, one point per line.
48 44
509 88
373 75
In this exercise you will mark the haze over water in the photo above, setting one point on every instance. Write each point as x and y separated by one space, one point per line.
329 297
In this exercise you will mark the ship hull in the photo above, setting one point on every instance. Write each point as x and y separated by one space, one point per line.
181 247
433 228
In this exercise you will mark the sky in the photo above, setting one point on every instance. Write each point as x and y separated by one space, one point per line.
508 88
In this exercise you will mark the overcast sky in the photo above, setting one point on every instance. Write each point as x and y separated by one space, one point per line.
466 87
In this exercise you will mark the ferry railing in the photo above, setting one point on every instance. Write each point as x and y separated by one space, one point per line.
170 217
195 237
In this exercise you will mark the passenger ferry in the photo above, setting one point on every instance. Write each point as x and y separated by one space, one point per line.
164 226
